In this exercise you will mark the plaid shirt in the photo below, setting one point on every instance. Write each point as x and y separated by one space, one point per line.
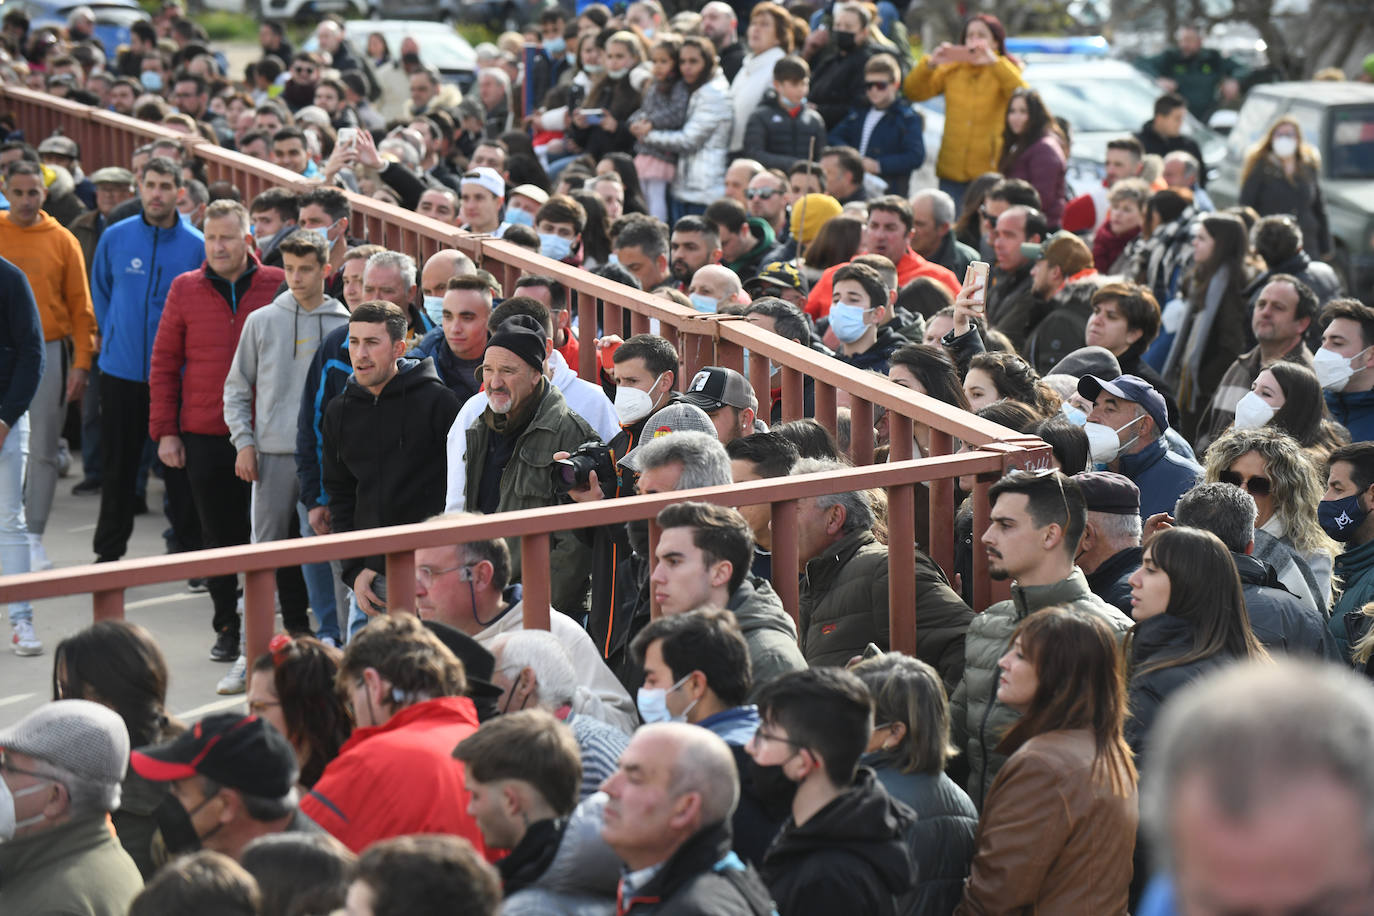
1221 412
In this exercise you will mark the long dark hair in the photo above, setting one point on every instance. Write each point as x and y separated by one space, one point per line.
596 234
969 228
837 242
934 370
1017 380
317 722
1303 414
624 165
1205 590
1039 123
1080 686
1230 246
117 664
707 50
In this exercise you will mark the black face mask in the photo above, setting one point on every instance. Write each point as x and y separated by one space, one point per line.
773 790
845 41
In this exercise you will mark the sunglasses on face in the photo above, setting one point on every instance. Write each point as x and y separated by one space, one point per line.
1255 486
869 87
761 193
304 71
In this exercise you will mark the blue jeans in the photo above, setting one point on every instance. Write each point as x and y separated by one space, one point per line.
319 584
955 189
677 209
356 618
14 531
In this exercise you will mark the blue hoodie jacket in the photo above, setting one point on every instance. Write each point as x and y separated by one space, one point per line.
330 369
135 264
1354 410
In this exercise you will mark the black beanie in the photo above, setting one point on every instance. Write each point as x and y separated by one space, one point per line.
523 336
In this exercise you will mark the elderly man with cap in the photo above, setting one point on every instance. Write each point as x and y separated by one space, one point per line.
60 774
1063 281
113 186
780 279
510 447
235 776
483 192
523 204
63 152
728 399
1109 550
1126 431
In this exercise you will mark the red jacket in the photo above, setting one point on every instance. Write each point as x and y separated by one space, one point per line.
911 266
399 778
195 344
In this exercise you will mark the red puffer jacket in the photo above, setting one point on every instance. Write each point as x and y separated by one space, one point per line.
195 344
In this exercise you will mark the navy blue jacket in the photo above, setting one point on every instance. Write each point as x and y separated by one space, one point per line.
452 373
896 143
1354 410
135 264
330 370
21 344
1162 476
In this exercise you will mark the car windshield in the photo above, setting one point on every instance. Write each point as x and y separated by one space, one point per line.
1093 104
1351 153
441 47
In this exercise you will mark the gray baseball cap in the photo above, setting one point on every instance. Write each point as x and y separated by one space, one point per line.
84 738
679 417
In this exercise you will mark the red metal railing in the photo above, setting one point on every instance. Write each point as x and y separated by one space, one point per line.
107 138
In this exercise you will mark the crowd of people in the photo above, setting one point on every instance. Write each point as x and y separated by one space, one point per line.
1155 721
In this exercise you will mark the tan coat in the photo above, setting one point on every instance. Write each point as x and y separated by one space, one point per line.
1053 839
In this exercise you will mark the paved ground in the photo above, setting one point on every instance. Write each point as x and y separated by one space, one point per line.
179 618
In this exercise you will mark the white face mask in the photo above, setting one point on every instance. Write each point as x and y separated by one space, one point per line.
653 704
633 404
1104 445
1252 412
1284 147
1333 370
8 825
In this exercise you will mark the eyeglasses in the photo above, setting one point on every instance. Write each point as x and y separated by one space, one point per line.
986 216
761 193
425 575
303 71
869 87
761 736
1255 486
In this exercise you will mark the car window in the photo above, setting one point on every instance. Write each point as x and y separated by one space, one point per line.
1351 151
1309 118
1258 112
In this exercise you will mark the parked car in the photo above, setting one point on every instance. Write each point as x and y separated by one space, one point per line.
1101 99
301 9
499 15
1338 119
440 45
112 17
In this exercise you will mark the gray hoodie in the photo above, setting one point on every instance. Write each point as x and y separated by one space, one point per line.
262 394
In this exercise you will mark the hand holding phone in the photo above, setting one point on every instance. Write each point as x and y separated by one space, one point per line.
592 116
348 136
976 285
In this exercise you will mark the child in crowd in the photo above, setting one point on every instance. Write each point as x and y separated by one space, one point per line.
885 129
665 108
785 128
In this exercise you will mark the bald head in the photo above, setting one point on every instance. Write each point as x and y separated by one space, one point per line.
443 267
701 763
717 281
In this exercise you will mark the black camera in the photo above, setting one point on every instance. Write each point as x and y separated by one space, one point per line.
573 472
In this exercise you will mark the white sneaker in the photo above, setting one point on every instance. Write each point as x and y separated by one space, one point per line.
38 557
25 641
234 681
64 458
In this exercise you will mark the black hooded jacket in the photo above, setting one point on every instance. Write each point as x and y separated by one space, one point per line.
1280 621
382 454
850 857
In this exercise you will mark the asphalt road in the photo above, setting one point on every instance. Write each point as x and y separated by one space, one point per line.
178 617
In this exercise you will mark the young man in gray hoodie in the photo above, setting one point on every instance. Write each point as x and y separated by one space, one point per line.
262 393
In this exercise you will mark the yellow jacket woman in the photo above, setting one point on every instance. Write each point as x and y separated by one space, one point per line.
977 79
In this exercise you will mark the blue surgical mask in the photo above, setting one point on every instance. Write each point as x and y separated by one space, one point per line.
554 46
517 217
151 80
1074 414
554 246
649 31
434 308
618 74
653 704
571 59
322 232
704 304
1341 518
594 69
847 321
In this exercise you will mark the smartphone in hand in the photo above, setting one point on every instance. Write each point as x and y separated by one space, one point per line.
978 273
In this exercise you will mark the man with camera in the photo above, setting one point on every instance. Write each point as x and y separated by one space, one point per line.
509 447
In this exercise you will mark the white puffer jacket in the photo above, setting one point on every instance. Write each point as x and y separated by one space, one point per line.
703 143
